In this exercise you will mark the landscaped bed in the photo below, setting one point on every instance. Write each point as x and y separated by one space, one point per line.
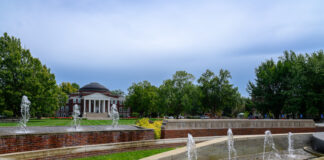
134 155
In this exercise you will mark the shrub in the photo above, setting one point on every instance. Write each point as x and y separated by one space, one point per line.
135 114
7 113
156 125
246 114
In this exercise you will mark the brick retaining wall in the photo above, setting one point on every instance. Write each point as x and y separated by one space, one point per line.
180 128
29 142
319 128
236 131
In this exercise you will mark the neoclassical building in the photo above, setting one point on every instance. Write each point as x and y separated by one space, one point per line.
95 102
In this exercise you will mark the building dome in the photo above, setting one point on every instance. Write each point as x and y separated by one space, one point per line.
94 86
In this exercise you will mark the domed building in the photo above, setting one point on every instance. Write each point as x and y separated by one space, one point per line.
95 102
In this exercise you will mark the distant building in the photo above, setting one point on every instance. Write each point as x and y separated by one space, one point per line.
95 102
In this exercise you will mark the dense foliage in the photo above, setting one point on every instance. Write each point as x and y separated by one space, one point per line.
217 93
143 98
180 96
293 85
21 74
156 125
69 88
117 92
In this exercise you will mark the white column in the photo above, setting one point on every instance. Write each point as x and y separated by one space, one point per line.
84 106
104 106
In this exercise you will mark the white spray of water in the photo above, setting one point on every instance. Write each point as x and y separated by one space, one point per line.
230 144
115 116
191 148
24 110
291 146
76 118
269 143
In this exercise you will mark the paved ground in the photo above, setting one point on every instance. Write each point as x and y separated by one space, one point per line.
62 129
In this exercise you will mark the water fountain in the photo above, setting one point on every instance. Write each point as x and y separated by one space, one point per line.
291 146
230 144
191 148
24 109
76 117
273 153
114 116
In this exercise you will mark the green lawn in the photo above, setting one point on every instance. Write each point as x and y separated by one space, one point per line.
134 155
68 122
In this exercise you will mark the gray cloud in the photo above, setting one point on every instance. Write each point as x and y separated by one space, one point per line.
120 42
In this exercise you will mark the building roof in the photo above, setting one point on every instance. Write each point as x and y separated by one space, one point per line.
94 86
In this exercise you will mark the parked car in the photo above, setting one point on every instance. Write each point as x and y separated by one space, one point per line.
170 117
181 117
204 117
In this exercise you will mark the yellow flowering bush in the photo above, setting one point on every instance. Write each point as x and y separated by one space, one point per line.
156 125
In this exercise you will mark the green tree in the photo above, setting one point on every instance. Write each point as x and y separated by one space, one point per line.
21 74
143 98
75 85
118 92
179 95
292 85
218 94
69 88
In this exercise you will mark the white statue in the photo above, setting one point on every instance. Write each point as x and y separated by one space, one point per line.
24 110
114 115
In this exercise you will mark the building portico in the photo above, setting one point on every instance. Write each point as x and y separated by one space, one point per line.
95 102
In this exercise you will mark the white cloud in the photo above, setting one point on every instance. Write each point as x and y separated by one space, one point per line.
161 35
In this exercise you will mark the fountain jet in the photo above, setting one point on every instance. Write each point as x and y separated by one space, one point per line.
291 146
269 143
230 144
115 116
191 148
24 110
76 118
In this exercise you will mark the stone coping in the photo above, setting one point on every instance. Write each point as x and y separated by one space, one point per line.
320 124
181 152
174 124
41 130
235 120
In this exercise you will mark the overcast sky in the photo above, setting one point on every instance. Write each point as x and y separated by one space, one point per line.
120 42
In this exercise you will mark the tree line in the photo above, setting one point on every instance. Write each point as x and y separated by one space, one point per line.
180 95
292 85
21 74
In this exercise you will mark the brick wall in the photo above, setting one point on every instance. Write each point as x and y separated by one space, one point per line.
28 142
320 129
221 132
